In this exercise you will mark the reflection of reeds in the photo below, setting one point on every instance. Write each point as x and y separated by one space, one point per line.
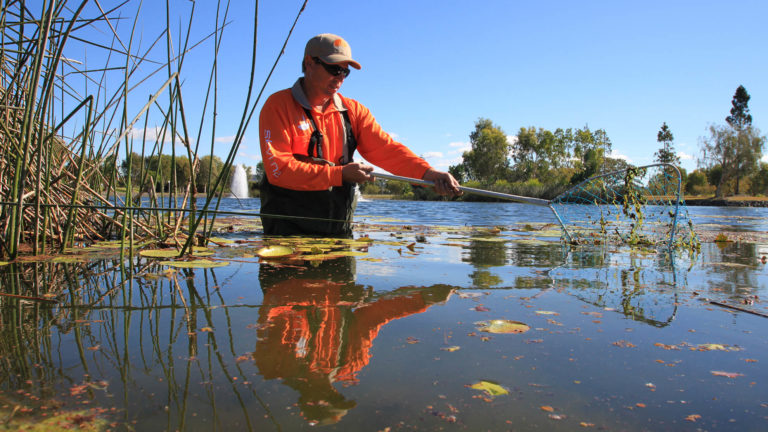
71 169
129 319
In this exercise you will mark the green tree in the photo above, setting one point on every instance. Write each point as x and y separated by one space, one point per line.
536 153
736 148
696 182
488 160
759 181
666 154
719 150
459 172
740 117
589 151
209 169
749 150
748 146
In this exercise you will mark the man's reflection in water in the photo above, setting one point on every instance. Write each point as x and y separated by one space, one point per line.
316 328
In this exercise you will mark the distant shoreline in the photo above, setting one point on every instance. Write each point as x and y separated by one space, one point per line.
728 202
711 202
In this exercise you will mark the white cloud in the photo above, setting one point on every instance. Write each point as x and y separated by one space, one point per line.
512 139
226 139
616 155
459 147
251 156
429 155
150 134
684 156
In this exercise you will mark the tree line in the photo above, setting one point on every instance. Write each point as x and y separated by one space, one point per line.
164 173
542 163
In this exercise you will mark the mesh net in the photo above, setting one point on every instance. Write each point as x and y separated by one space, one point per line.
635 206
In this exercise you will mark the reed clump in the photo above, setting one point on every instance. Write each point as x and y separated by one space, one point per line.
86 99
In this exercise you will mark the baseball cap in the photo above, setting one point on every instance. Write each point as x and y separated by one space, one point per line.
330 49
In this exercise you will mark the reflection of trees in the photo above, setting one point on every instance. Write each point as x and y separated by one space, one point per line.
641 287
317 329
731 271
483 254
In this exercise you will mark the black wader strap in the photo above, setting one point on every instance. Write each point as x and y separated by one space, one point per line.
350 143
315 148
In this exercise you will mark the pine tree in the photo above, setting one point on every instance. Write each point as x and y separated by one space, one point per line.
666 154
740 116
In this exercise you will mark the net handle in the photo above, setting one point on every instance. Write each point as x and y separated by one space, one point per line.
469 190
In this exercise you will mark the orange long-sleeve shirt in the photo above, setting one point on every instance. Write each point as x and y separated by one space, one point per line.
284 130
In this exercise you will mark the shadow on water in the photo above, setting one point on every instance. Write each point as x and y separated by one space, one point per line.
285 345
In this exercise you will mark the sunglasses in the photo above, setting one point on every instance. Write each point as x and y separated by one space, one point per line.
334 70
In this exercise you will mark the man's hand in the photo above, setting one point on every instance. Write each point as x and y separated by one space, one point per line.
444 182
356 173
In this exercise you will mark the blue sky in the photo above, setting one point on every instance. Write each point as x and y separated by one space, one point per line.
432 68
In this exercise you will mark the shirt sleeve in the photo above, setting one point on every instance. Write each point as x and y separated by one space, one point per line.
277 132
378 147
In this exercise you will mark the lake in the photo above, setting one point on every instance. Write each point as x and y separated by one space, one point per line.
438 316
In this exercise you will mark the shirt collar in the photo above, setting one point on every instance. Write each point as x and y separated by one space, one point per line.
298 94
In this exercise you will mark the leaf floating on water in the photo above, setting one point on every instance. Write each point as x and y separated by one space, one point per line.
547 408
490 388
206 329
543 312
715 347
480 308
159 253
503 326
202 263
68 259
693 417
451 348
726 374
350 253
624 344
275 251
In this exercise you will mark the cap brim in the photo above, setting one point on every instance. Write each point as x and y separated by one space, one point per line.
339 58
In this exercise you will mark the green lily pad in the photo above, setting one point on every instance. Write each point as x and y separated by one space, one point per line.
490 388
159 253
69 259
276 251
501 326
201 263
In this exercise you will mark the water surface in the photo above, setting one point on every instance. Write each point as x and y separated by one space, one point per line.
619 339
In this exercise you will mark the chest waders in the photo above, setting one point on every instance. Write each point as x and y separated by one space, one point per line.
326 212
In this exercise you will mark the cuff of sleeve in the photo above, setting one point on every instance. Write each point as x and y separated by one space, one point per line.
336 175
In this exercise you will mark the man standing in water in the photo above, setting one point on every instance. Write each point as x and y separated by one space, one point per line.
308 136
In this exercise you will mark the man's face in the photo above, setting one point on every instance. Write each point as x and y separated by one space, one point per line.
326 79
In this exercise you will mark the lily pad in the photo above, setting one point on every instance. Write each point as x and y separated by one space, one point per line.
490 388
69 259
501 326
159 253
276 251
202 263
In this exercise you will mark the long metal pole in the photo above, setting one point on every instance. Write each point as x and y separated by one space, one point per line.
490 194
